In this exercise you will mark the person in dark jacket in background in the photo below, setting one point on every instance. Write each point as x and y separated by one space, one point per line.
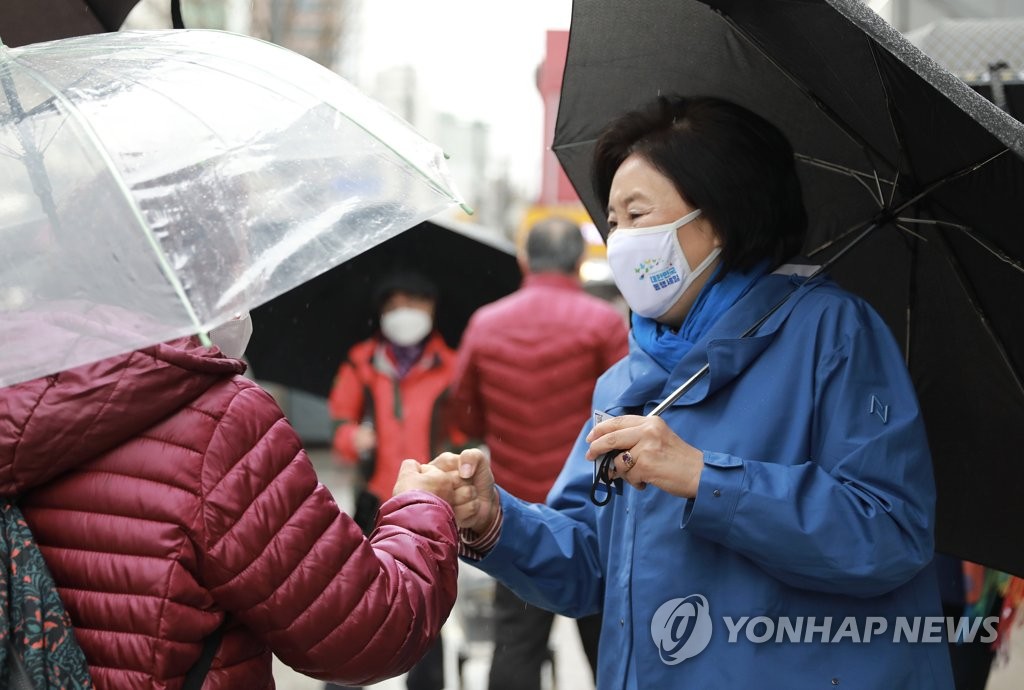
523 383
171 499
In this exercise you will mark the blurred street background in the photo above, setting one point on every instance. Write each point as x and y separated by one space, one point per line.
483 81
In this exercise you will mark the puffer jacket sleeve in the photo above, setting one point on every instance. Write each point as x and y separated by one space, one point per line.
279 556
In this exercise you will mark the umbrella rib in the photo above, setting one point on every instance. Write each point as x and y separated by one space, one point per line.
910 232
33 158
45 105
832 115
970 233
878 188
889 111
29 114
893 212
115 174
895 186
850 172
970 294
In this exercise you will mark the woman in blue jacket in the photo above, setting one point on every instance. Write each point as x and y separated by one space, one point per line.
775 529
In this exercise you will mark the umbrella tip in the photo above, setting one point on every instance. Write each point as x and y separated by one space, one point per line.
466 208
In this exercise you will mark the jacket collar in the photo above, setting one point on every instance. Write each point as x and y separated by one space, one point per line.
434 353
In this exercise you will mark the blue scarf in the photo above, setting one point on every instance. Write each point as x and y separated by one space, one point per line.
668 347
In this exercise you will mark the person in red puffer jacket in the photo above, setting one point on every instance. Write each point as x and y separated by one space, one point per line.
171 498
523 382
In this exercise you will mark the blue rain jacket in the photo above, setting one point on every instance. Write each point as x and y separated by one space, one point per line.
804 560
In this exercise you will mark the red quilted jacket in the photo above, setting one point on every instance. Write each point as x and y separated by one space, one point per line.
168 493
525 376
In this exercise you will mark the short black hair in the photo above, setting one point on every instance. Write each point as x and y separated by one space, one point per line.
554 244
406 281
724 159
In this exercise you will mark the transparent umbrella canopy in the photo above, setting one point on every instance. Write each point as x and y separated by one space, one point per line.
156 183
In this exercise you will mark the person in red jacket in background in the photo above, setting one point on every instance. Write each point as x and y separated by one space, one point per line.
174 503
523 383
389 400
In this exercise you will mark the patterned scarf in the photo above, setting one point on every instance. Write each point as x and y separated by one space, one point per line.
404 357
33 621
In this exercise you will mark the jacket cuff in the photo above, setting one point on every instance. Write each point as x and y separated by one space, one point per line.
710 513
413 496
475 546
343 445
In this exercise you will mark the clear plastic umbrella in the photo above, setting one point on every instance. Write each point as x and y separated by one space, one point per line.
155 183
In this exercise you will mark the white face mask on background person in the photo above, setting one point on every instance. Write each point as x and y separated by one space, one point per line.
406 325
650 268
232 337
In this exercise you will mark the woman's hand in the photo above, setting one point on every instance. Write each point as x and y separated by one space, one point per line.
475 500
412 475
651 454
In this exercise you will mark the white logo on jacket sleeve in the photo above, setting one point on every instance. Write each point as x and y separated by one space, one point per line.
681 628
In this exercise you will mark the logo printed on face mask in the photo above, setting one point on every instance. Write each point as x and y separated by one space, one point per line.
660 281
646 267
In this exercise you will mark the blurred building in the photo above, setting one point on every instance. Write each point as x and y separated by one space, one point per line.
309 27
557 196
907 15
313 28
988 54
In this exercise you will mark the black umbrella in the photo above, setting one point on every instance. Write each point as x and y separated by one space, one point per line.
300 338
888 140
34 21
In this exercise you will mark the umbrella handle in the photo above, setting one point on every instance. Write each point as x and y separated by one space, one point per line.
176 21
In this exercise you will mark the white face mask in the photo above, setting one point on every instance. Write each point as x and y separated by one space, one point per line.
232 337
650 268
406 325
